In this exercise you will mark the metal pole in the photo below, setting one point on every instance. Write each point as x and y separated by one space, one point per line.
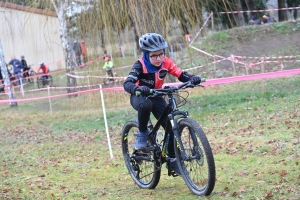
105 121
50 104
21 86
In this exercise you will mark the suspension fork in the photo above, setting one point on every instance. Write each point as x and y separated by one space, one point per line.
178 141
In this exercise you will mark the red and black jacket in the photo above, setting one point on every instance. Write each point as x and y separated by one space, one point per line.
139 75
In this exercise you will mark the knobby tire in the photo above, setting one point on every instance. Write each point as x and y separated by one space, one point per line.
149 171
198 173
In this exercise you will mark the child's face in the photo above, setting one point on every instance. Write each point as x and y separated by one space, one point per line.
157 57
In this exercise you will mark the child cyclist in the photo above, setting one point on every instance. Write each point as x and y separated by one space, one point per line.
45 71
147 73
108 65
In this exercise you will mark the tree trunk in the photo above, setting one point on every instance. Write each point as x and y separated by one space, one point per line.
135 32
240 20
183 24
102 42
60 8
6 79
282 15
250 4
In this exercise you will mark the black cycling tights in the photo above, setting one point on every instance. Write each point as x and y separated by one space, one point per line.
145 107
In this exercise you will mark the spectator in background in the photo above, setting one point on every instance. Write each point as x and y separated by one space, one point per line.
264 20
254 20
77 50
84 52
267 19
25 67
17 67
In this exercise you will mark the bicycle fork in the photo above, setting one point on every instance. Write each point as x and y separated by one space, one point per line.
178 141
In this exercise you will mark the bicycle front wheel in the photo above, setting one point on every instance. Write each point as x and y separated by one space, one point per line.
39 82
145 172
50 81
198 166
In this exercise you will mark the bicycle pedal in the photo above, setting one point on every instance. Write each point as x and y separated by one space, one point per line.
142 151
172 173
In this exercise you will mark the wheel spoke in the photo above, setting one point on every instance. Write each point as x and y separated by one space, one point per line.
141 167
199 168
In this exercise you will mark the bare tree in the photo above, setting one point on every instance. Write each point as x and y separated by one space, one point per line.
6 77
60 7
240 20
250 4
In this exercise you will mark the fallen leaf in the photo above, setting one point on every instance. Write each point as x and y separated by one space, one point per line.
241 189
283 173
269 195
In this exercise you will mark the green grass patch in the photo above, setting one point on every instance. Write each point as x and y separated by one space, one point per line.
253 128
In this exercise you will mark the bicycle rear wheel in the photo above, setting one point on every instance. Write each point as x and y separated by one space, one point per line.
144 172
39 82
198 170
32 74
105 81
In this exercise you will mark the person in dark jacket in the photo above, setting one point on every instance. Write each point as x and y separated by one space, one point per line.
77 51
25 67
147 73
254 20
17 67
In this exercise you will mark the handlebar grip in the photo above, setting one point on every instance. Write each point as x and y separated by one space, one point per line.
203 80
138 93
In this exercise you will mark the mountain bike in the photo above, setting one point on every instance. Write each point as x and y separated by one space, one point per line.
192 149
109 77
44 80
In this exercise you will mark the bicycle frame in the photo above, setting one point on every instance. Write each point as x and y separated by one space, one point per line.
170 111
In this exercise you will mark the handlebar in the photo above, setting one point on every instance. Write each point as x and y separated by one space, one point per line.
167 89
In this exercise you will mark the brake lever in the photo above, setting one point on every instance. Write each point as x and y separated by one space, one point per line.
154 94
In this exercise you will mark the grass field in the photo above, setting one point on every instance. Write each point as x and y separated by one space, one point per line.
253 128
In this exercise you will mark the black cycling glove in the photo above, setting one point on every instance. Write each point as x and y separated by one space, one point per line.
145 91
195 80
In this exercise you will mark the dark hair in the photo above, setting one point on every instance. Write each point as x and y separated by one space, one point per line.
254 17
106 55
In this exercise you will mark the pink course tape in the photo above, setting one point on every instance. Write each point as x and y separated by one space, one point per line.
251 77
207 83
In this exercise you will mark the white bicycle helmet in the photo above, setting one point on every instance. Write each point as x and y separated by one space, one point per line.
41 62
152 42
